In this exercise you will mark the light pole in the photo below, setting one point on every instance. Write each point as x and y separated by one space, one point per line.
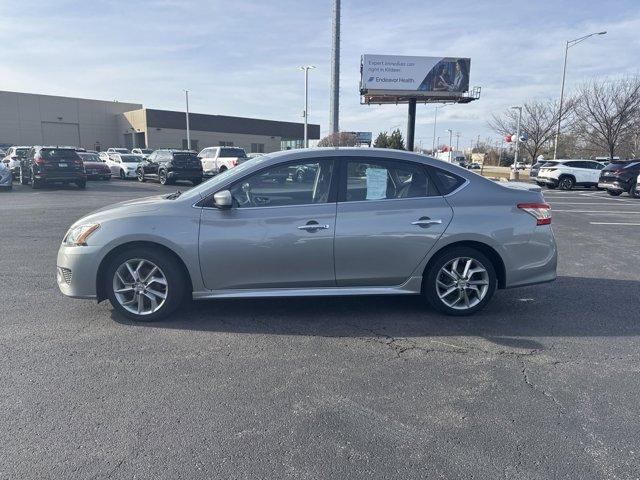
334 107
450 141
457 140
568 45
186 94
305 112
435 122
515 175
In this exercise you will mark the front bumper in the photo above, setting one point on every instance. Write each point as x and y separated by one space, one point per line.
77 269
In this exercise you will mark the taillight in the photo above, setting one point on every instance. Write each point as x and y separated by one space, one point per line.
540 211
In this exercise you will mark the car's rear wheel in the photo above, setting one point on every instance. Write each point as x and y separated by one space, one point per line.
633 192
196 181
141 176
144 284
162 177
566 183
460 281
614 193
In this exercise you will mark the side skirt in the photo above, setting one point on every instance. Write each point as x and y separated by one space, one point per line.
413 286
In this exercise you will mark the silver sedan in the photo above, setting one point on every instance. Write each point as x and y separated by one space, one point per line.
316 222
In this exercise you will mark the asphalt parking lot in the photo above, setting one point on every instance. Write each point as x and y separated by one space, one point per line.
542 384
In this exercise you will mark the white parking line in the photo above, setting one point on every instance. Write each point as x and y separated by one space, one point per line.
615 223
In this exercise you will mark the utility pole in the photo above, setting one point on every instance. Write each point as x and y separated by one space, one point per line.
450 142
334 107
411 124
305 112
568 45
435 123
457 141
186 94
514 174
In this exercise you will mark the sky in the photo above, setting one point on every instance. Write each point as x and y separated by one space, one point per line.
242 57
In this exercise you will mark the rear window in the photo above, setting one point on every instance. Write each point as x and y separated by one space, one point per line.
57 154
233 152
90 157
185 157
447 182
130 158
21 152
550 164
619 165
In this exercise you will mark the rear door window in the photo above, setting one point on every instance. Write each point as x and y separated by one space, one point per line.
446 182
58 155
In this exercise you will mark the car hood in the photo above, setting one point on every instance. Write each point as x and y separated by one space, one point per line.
128 208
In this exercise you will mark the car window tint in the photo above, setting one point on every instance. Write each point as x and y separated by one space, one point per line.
386 180
447 182
301 183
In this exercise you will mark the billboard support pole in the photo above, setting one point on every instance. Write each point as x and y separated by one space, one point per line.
411 124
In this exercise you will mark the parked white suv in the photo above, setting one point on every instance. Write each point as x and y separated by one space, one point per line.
12 159
218 159
566 174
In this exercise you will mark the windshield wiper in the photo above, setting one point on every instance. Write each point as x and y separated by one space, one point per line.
174 195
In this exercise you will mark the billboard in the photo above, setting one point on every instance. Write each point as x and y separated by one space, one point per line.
414 76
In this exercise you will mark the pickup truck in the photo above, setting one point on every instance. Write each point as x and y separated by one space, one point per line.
218 159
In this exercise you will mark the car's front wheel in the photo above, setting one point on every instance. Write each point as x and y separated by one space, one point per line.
460 281
566 183
141 176
144 284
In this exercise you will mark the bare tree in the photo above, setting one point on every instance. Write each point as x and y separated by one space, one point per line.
340 139
607 115
538 124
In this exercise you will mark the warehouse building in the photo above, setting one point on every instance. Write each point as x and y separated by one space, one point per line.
32 119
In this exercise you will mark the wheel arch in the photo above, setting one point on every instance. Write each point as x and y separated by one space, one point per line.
101 294
487 250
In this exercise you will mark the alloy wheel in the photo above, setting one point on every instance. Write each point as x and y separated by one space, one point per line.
462 283
566 184
140 286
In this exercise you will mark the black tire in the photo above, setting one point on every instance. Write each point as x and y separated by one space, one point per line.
632 191
35 183
141 178
614 193
429 283
222 169
173 272
566 183
162 178
196 181
24 180
82 184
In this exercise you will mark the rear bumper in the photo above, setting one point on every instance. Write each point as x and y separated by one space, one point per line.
546 181
184 174
61 177
613 186
540 263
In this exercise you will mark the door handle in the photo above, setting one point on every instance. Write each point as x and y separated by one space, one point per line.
426 222
310 227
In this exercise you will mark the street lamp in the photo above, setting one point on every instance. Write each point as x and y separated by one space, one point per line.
450 140
515 175
305 112
570 43
186 94
435 122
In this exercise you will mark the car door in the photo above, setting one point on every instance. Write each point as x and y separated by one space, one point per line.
276 234
151 165
114 163
593 169
389 216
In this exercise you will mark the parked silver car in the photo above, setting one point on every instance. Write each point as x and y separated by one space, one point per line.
367 222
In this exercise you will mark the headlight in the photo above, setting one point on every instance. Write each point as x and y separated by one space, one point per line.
78 235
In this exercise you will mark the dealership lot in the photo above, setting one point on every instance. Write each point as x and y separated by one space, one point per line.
541 384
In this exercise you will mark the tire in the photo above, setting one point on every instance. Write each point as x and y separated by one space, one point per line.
168 268
632 191
140 175
222 169
196 181
82 184
35 183
162 178
23 178
614 193
435 283
566 183
123 175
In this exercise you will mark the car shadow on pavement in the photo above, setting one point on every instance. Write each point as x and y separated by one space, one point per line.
569 307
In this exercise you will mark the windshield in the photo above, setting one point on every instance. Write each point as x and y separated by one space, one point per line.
205 188
90 157
616 165
130 158
233 152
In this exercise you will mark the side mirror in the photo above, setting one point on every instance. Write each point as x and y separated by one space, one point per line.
223 199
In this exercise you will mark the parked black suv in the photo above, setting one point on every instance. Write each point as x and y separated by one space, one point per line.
167 166
52 165
618 177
